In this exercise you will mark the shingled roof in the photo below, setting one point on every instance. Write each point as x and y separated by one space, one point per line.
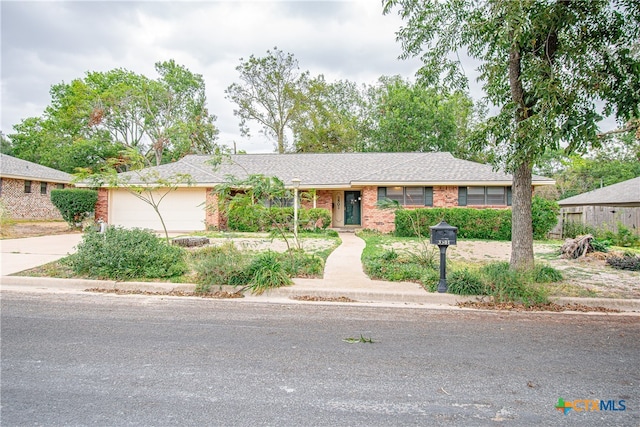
12 167
342 170
626 193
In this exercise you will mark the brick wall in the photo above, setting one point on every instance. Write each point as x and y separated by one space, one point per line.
445 197
373 217
34 205
213 218
102 205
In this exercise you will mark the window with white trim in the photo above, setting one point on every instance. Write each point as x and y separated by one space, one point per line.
407 196
484 196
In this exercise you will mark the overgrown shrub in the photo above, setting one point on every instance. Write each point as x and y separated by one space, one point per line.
219 266
506 285
492 224
297 263
573 229
315 218
246 218
252 218
121 254
624 262
544 216
465 282
74 204
624 237
600 245
267 272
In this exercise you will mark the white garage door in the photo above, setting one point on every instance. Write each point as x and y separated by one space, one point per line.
182 210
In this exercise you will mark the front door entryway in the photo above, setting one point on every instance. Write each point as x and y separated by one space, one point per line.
352 207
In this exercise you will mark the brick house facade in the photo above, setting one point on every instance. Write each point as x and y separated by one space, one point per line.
348 185
25 189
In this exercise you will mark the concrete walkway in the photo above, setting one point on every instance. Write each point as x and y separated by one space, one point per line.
30 252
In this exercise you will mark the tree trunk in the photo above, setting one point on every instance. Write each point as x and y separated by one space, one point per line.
521 219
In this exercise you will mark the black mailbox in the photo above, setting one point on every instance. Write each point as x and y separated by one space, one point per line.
443 235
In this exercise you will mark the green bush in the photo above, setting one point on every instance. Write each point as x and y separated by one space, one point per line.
252 218
315 218
267 272
573 229
600 245
74 204
219 266
506 285
624 237
544 216
246 218
121 254
297 263
491 224
465 282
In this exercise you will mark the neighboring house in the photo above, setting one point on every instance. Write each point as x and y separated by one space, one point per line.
25 188
605 207
347 184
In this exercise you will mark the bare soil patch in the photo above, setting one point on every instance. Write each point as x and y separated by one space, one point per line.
21 229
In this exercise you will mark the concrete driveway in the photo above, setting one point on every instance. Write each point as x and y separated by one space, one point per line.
22 254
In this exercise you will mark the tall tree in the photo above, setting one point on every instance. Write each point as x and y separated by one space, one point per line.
330 121
408 116
545 63
94 118
175 113
269 93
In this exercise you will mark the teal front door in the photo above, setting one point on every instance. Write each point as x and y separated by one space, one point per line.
352 208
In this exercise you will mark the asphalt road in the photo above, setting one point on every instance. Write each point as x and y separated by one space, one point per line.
106 360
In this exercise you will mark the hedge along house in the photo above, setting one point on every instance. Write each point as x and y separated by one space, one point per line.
605 207
347 184
25 188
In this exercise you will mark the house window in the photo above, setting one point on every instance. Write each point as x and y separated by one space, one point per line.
407 196
43 188
27 186
60 186
484 196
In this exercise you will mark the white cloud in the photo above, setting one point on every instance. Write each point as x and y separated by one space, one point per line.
45 43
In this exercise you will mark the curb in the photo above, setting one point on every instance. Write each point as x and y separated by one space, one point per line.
359 295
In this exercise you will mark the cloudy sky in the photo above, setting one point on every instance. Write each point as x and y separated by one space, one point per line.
48 42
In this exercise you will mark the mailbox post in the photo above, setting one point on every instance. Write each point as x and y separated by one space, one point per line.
443 235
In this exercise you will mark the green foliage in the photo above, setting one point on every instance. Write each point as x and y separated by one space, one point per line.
573 229
507 285
412 117
297 263
266 271
219 266
600 245
270 93
586 174
492 224
246 218
625 262
74 204
544 215
315 218
121 254
465 282
93 118
624 237
541 64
